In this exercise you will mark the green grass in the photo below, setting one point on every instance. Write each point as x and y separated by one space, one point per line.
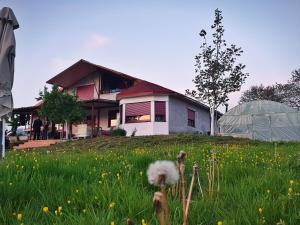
84 178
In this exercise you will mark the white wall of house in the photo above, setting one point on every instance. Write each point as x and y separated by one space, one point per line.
146 128
179 119
109 96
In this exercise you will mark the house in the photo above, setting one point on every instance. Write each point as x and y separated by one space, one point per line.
114 99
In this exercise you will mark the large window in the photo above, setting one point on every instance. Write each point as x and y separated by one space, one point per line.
191 117
85 92
160 111
138 112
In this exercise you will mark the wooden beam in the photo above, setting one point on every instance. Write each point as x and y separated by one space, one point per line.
98 120
93 122
31 121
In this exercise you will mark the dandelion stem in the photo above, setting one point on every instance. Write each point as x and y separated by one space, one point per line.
157 203
213 174
183 192
129 222
180 160
199 183
218 177
165 204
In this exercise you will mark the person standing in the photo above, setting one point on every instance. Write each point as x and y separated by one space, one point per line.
37 124
46 130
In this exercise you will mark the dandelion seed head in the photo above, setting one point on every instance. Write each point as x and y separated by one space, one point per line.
162 168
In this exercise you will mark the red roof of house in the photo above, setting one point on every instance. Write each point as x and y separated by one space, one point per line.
144 88
81 69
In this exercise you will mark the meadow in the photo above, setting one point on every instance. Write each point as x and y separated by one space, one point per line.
104 182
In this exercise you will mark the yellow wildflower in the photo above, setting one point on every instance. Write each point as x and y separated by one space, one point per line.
58 212
19 216
112 223
112 205
290 190
143 222
260 210
268 191
68 201
220 223
141 173
84 210
292 182
45 209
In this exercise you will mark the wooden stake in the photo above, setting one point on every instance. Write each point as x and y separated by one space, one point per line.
195 171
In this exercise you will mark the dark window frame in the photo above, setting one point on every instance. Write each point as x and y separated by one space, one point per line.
191 122
160 117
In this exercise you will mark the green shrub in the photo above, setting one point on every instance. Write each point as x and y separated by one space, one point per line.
119 132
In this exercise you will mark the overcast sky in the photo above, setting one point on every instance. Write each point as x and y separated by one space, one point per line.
152 40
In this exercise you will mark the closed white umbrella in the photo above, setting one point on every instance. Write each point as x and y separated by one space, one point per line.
8 23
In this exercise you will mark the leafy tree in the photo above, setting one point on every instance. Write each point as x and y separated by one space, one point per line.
217 73
14 122
296 76
60 107
288 93
259 93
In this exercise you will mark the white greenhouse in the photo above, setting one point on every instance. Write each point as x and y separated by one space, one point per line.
262 120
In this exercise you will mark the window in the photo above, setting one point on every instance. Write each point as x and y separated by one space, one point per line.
138 112
191 117
85 92
160 111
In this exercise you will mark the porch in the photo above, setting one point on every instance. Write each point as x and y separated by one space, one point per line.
102 117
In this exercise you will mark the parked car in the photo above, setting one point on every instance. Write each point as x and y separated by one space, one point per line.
21 134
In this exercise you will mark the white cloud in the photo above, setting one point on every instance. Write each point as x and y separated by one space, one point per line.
95 41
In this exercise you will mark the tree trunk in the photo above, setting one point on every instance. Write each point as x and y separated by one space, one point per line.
67 131
212 121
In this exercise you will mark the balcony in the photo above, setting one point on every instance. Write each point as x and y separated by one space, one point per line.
109 96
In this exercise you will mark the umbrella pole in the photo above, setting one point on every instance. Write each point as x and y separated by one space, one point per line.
2 134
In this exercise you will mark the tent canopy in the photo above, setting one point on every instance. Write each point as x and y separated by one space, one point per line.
8 23
262 120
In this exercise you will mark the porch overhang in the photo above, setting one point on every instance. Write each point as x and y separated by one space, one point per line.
25 110
99 103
